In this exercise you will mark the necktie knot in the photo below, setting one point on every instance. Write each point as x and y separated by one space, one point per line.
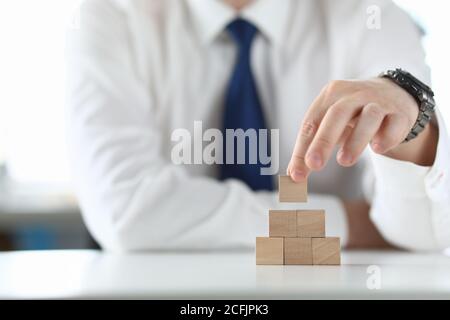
243 32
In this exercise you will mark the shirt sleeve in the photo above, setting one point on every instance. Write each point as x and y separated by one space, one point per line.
410 203
131 195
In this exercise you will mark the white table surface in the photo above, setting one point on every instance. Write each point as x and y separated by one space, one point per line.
93 274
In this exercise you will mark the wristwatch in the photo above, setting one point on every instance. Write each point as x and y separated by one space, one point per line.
421 93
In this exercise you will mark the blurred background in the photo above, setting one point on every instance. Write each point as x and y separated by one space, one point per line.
38 209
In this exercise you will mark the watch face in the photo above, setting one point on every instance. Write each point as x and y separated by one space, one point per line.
411 78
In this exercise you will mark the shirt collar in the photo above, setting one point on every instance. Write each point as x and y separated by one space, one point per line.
212 16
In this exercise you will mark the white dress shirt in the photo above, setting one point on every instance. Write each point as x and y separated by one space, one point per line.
139 69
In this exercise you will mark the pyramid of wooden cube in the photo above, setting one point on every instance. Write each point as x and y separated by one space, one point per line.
296 237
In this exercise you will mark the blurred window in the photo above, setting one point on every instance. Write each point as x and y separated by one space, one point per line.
32 133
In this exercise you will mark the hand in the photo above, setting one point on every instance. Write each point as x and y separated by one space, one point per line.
355 114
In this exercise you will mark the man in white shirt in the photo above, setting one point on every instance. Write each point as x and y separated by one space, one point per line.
140 70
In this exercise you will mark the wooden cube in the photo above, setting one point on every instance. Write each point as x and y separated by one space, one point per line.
269 251
290 191
310 223
326 251
298 251
282 223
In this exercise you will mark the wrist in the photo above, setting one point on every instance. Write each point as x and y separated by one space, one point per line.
420 151
417 102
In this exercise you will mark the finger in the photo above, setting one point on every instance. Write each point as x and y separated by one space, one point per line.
393 131
331 129
347 131
369 123
297 169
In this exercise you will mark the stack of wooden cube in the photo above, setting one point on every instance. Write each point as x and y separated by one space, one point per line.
296 237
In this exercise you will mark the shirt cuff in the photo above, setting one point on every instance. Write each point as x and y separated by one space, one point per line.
414 180
399 176
437 181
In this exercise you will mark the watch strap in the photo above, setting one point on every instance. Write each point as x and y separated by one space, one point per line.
422 93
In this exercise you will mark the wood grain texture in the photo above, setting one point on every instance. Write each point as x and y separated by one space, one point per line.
289 191
298 251
283 223
269 251
310 223
326 251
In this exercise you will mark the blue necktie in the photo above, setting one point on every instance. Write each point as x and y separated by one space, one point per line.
243 109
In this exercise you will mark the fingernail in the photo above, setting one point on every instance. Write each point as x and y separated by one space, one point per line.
299 175
377 147
315 159
345 158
